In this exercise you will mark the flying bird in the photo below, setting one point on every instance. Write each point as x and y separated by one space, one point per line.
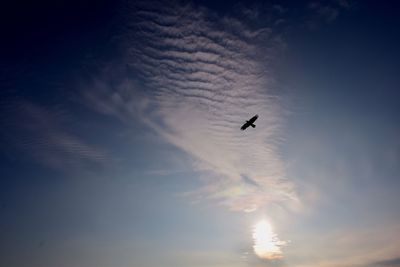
249 123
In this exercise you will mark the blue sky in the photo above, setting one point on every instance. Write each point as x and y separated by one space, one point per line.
121 141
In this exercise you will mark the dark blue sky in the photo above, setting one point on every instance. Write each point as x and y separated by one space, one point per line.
120 141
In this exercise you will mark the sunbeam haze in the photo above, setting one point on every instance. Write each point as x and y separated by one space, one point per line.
266 243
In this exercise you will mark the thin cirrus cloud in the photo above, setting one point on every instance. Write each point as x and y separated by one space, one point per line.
326 11
39 134
196 79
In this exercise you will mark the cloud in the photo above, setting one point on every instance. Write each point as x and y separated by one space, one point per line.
346 4
197 78
395 262
326 11
38 132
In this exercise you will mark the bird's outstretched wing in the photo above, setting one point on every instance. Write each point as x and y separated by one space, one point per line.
244 126
253 119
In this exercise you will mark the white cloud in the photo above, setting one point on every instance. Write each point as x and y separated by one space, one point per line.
203 77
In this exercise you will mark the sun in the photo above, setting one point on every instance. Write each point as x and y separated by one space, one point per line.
266 243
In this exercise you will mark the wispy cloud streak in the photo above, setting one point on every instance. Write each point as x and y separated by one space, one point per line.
37 132
203 76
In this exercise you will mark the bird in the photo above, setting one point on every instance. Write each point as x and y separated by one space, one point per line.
249 123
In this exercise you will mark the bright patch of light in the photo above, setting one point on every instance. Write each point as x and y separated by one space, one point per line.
266 243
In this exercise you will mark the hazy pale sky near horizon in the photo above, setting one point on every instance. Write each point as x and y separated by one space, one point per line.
121 143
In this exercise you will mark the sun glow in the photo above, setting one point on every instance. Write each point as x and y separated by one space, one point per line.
266 243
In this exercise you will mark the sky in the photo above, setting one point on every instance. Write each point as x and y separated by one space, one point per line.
121 143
